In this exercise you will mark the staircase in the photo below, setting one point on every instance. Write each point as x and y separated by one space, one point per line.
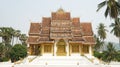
61 60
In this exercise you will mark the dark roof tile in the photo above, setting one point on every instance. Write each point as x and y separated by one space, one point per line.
35 28
86 29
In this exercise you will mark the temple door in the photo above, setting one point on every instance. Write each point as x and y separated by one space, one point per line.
61 48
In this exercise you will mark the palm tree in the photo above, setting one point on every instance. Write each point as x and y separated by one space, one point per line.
101 35
17 34
112 9
110 54
102 31
6 33
116 28
23 38
2 50
98 44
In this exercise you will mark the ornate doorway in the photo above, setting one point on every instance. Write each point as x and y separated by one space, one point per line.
61 48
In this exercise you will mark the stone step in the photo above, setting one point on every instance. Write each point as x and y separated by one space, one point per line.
62 60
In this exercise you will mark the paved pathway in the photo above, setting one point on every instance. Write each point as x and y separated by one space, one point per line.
61 60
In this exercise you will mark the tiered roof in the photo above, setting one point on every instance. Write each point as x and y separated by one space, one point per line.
35 28
79 31
60 15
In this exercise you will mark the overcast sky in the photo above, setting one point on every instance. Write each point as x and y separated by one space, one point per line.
20 13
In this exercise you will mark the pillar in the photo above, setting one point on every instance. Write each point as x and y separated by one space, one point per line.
90 50
33 49
42 49
80 49
52 49
67 48
70 50
30 49
55 48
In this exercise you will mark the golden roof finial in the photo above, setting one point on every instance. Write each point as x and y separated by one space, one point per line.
60 10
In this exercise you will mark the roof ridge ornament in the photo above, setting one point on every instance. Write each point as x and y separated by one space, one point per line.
60 10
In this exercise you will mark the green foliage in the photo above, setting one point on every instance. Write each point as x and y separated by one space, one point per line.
102 31
112 9
98 44
2 49
118 56
4 52
6 33
7 50
116 28
2 59
18 51
23 39
97 54
109 55
5 59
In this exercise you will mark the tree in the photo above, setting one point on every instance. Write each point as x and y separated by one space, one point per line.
98 44
112 9
17 35
2 51
110 54
102 31
6 33
7 51
17 52
23 39
116 29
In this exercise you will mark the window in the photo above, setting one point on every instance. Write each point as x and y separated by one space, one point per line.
75 48
47 48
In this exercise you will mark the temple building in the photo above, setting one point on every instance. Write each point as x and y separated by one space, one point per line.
60 35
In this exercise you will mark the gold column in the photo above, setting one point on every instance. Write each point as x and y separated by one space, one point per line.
70 50
31 49
52 49
35 49
92 50
82 50
42 49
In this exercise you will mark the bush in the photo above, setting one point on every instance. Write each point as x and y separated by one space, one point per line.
5 59
97 54
17 52
118 57
2 59
108 56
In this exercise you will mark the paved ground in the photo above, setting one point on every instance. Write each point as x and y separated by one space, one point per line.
52 61
61 60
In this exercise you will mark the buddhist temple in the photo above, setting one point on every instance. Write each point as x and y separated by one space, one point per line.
60 35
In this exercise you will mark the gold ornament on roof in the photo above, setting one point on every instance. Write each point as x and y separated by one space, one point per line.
60 10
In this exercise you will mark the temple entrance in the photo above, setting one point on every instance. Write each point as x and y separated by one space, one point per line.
61 48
